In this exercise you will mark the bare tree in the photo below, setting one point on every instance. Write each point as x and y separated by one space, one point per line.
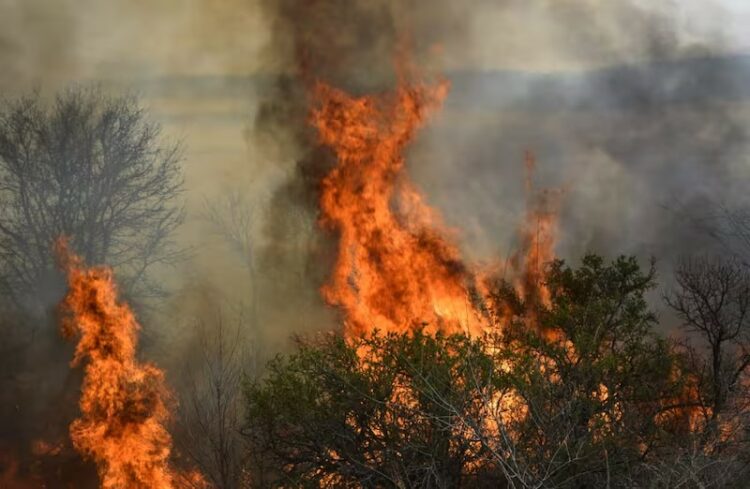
234 218
732 229
712 299
276 245
90 167
727 225
689 468
210 412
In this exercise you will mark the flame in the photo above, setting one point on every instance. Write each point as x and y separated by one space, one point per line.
124 403
395 268
41 448
538 237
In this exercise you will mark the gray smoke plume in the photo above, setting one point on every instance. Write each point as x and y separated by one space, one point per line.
639 116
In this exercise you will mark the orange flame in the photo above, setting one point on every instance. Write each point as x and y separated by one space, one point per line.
394 267
538 234
123 402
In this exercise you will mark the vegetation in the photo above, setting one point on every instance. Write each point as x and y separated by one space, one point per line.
379 411
577 387
95 169
90 167
581 392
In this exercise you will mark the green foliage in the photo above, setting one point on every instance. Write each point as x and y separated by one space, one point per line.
591 371
381 411
578 392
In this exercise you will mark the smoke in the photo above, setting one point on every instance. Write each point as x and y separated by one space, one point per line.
638 109
654 123
51 43
632 105
635 109
352 45
26 60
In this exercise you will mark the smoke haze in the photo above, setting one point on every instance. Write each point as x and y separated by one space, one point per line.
638 109
634 107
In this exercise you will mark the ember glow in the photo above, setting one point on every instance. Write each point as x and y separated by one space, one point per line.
124 403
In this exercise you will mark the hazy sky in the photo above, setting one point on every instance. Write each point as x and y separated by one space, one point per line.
46 41
738 18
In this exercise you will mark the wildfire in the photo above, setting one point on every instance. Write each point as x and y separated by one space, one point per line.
124 403
538 237
396 268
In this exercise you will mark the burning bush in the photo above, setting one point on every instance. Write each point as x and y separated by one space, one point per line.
382 410
583 398
124 403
